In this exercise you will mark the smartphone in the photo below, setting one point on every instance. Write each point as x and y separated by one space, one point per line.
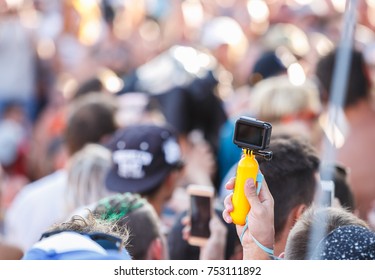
328 192
200 212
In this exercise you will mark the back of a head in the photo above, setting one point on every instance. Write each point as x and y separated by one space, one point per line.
80 239
86 173
91 118
276 99
358 87
134 215
290 175
267 65
328 217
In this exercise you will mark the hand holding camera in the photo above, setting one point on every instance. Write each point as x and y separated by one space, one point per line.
253 136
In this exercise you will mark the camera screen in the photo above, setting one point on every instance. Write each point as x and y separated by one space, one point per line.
250 134
200 216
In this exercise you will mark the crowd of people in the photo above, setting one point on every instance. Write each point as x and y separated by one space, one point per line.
109 110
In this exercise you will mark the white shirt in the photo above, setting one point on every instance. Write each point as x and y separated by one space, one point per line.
35 208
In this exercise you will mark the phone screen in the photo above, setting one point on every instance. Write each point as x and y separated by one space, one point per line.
200 216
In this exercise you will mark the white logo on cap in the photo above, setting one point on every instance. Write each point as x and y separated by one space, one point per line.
130 163
171 151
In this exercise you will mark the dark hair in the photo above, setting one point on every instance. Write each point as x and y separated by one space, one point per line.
91 117
358 81
135 216
290 175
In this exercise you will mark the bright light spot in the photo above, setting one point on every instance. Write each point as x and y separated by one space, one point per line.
339 5
258 10
67 85
296 74
112 83
371 3
322 44
188 58
303 2
46 48
90 23
192 12
90 32
320 8
29 18
14 4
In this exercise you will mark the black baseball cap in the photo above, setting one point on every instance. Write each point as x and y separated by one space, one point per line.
143 155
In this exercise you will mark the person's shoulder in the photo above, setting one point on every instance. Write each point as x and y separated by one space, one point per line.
38 188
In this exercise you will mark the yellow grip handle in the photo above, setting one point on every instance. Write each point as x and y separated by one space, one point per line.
247 168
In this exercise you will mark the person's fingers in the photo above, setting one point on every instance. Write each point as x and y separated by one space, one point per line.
265 194
226 216
230 184
186 232
251 191
228 205
185 220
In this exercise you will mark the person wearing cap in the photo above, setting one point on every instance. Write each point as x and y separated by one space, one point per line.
147 160
81 239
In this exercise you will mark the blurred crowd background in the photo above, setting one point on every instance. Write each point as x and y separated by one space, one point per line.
197 64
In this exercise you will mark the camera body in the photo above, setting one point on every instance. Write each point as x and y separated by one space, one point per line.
252 134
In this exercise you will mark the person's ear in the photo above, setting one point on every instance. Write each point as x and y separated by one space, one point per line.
156 250
299 211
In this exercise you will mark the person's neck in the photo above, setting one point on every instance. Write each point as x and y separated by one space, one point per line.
157 203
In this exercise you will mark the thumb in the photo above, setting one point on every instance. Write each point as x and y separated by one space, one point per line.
251 191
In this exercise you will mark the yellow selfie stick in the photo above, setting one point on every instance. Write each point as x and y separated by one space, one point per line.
248 167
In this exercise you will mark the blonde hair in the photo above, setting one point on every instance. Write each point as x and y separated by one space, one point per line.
86 174
274 98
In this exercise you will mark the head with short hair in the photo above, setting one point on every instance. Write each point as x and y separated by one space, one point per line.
91 118
81 239
329 218
358 87
290 175
134 215
276 99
